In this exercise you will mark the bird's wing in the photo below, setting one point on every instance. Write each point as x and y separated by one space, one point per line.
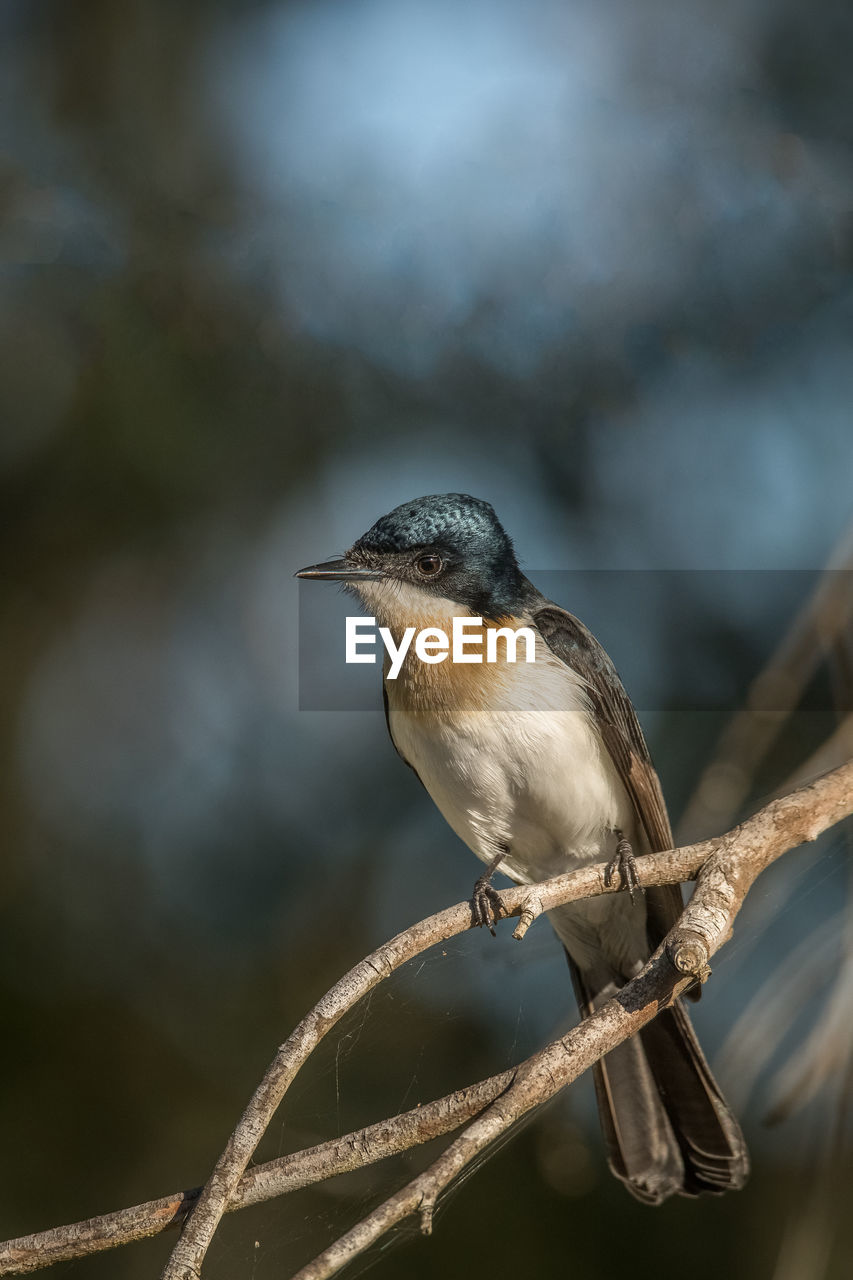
391 736
620 730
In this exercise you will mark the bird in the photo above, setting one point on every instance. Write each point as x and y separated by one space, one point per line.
541 767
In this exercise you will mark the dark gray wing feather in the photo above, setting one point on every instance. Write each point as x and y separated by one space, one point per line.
573 643
391 736
666 1124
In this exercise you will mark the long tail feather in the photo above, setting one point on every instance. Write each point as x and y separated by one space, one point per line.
665 1122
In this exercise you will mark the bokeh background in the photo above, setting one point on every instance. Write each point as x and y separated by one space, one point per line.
269 269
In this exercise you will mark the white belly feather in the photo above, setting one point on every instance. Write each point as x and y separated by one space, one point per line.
536 781
531 774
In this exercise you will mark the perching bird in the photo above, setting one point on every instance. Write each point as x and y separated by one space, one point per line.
542 767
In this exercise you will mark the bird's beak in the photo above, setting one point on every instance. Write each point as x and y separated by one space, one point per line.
343 570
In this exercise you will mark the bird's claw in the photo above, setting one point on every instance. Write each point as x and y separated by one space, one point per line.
485 905
485 900
624 864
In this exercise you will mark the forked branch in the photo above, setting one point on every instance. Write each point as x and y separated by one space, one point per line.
725 868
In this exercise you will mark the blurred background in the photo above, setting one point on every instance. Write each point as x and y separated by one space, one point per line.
270 269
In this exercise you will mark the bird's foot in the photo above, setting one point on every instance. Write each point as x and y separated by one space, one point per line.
485 900
624 864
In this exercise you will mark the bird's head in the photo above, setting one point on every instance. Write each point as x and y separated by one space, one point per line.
443 550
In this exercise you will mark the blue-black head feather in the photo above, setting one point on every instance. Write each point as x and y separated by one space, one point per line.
479 566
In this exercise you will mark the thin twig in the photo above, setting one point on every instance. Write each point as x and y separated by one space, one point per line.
539 1080
772 697
262 1182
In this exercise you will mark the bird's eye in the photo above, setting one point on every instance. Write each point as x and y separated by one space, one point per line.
429 565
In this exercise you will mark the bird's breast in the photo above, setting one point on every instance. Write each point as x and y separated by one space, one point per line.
458 687
514 760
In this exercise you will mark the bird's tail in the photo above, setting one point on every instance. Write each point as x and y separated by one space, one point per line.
667 1127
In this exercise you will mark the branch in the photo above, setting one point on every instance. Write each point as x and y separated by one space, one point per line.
262 1182
726 867
535 1082
772 697
723 882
